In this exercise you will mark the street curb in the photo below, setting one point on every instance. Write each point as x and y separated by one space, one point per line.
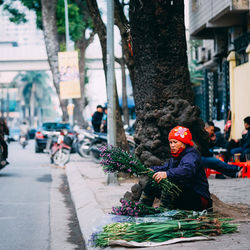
87 209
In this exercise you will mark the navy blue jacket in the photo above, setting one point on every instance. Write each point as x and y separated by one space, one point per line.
187 172
245 141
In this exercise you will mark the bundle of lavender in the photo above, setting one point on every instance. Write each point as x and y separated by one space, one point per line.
162 231
135 209
114 159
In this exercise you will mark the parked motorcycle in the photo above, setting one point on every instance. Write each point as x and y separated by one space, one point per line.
85 139
90 145
58 149
99 140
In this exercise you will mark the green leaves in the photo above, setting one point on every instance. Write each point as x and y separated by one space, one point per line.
15 15
25 81
77 24
79 20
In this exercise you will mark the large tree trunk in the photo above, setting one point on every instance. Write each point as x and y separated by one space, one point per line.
52 46
79 102
162 90
100 29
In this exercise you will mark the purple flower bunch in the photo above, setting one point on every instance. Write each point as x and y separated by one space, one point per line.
115 159
134 209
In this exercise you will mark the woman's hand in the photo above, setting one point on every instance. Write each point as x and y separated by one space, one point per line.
159 176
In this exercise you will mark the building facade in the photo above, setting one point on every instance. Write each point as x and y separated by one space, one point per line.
222 26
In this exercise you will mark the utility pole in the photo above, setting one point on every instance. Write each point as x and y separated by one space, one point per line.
112 178
70 107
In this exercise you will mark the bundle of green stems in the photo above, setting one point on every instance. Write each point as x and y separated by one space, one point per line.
163 231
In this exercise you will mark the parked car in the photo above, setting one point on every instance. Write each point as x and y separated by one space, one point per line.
47 129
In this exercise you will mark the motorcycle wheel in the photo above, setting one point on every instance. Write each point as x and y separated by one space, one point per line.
61 157
84 149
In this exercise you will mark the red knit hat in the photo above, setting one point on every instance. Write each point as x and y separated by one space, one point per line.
181 134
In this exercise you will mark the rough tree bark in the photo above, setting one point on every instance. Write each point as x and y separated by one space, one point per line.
162 90
52 46
82 45
100 29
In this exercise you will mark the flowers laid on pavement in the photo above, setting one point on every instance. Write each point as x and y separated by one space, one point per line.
163 231
135 209
114 159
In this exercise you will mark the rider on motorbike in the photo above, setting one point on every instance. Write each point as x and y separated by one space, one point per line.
24 129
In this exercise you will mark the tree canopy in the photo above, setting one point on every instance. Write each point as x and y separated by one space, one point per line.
77 22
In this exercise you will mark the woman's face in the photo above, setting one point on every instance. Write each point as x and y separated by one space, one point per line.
175 145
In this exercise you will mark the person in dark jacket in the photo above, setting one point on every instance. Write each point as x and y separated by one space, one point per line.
244 142
4 130
104 125
97 119
185 170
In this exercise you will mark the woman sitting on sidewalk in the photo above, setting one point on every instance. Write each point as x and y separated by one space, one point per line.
185 170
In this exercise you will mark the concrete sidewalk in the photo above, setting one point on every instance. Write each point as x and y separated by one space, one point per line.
93 200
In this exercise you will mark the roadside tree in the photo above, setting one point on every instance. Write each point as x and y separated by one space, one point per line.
35 95
100 29
155 53
162 89
51 19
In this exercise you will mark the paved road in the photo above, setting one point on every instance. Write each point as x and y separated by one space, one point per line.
35 206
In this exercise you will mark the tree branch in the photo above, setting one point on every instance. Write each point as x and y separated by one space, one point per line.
123 24
91 38
99 28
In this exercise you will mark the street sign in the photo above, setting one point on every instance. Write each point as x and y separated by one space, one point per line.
69 75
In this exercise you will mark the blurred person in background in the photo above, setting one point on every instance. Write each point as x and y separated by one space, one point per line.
4 130
104 126
242 145
217 139
209 161
24 129
97 119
